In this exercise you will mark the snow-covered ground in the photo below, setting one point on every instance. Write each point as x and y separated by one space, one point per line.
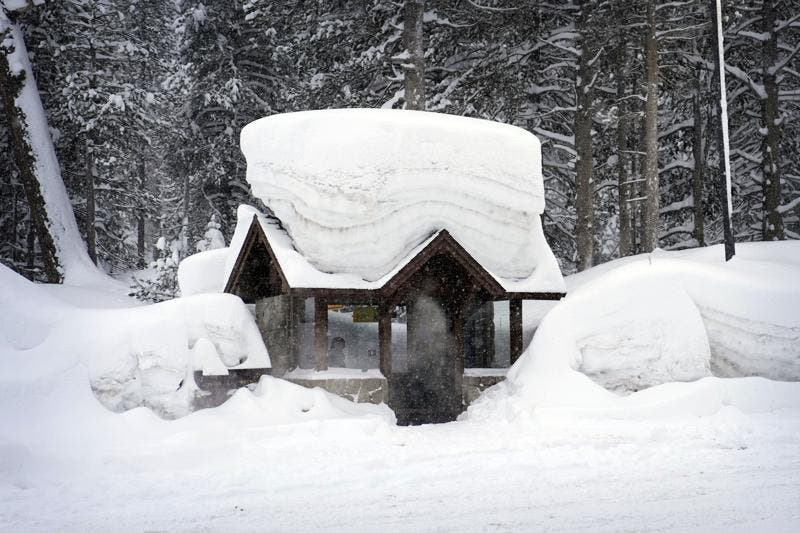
552 448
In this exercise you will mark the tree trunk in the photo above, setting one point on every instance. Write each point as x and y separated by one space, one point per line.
722 130
584 194
14 236
624 187
185 218
772 228
651 206
699 171
414 63
635 203
140 219
31 245
51 211
91 233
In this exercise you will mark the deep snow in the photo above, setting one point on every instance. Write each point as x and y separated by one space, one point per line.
550 449
131 355
359 202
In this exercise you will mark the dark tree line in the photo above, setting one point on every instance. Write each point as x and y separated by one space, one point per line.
145 100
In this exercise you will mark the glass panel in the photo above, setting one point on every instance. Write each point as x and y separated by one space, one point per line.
502 355
351 344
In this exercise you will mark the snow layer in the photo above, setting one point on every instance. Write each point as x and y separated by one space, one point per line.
203 272
357 190
654 319
717 454
131 356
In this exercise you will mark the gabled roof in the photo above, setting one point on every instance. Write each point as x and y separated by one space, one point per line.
444 243
267 264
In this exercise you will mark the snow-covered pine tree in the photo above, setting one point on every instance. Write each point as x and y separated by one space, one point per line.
161 283
213 238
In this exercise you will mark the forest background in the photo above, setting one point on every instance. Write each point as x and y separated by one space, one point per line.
145 100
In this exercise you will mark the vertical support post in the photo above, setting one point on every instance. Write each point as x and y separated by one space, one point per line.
320 334
385 340
515 327
460 346
296 311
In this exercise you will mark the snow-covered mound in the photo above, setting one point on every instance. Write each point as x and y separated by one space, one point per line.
654 319
203 272
358 189
132 356
57 360
276 401
632 331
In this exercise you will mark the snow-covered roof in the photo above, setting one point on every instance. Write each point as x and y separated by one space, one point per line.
358 190
300 273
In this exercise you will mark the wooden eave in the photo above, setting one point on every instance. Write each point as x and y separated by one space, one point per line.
255 234
443 243
532 296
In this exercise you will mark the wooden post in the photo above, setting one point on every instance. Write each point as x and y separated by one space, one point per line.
296 312
385 340
460 346
515 327
320 333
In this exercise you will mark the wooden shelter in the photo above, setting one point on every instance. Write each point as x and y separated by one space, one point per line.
422 222
440 286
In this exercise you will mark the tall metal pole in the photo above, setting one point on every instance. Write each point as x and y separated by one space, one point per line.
723 143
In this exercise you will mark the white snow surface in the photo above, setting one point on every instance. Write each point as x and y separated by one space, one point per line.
357 190
20 5
656 319
551 452
203 272
135 355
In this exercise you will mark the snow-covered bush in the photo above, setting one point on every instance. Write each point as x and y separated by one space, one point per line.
212 238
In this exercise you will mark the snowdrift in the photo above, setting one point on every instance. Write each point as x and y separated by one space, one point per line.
131 356
203 272
358 189
647 322
58 360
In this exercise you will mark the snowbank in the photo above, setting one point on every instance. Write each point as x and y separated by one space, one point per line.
131 356
203 272
633 330
357 190
276 401
650 321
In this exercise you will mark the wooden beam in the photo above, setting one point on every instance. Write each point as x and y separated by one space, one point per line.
385 340
515 327
532 296
321 334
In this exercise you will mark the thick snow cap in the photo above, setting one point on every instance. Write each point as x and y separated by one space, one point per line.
358 189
